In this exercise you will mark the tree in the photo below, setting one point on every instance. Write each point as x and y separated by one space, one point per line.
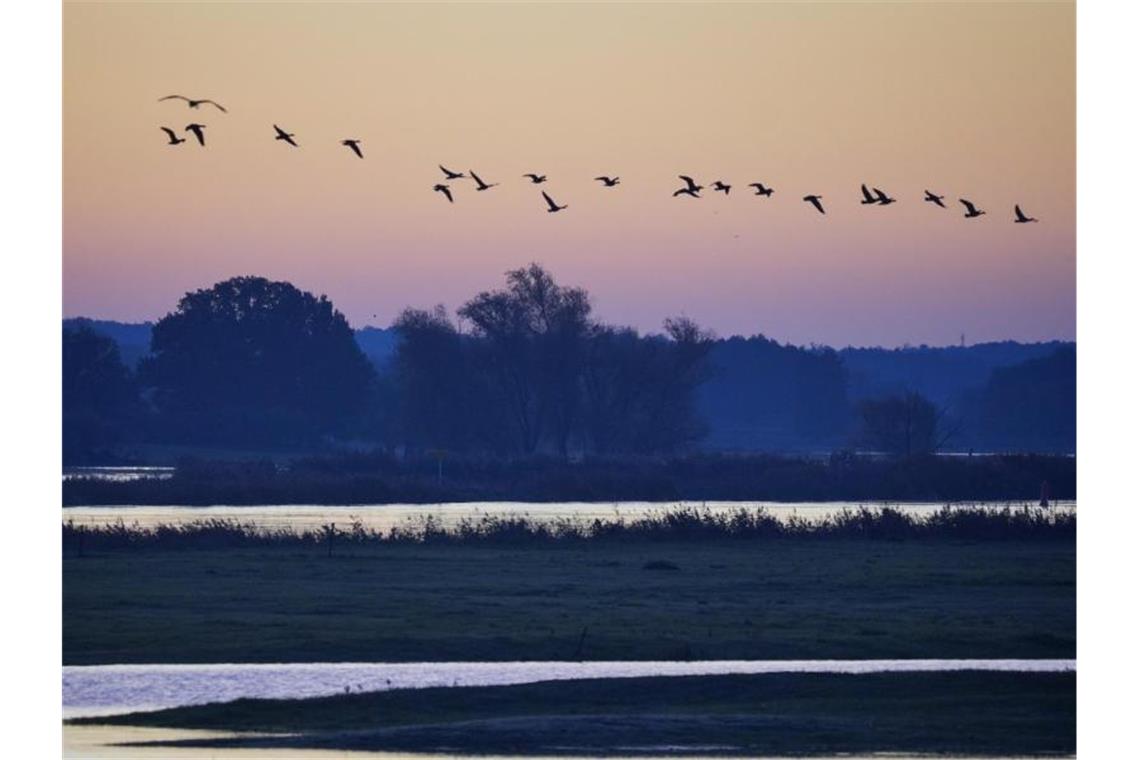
1032 405
639 392
534 333
100 398
250 360
905 425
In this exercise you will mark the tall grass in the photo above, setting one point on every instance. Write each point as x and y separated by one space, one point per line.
681 524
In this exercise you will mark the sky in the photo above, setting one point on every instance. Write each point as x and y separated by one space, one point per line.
970 100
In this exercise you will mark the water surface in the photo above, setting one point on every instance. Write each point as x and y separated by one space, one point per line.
90 690
384 517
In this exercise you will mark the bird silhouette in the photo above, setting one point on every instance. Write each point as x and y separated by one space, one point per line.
283 135
816 200
971 210
480 184
1020 217
690 185
197 130
882 198
450 174
354 145
719 186
174 139
935 199
868 199
536 179
687 191
760 189
608 181
446 192
194 103
550 202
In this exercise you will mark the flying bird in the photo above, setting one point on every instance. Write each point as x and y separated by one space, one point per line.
760 189
283 135
1021 218
690 185
882 198
194 103
450 174
446 192
536 179
971 210
550 202
354 145
197 130
480 184
935 199
608 181
174 139
816 200
721 187
868 199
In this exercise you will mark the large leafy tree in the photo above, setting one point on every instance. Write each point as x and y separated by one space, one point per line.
251 360
534 333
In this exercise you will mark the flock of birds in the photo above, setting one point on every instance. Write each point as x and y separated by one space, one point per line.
871 196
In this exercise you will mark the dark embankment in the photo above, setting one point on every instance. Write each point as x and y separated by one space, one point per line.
373 478
870 585
953 713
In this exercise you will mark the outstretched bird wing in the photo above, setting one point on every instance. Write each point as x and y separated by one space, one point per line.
446 191
450 174
867 195
170 133
174 97
1020 214
550 201
688 181
475 177
813 200
283 135
969 206
354 146
215 105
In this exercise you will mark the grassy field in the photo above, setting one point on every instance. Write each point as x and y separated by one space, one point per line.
975 713
727 599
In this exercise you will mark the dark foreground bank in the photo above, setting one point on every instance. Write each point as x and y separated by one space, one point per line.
971 713
380 479
1000 586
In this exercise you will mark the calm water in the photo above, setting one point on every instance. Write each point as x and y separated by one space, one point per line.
101 743
120 474
386 516
110 689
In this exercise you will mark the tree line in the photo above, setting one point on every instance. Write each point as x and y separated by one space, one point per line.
523 370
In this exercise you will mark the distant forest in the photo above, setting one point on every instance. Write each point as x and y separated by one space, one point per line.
528 370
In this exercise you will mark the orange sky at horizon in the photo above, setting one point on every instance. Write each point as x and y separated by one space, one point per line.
972 100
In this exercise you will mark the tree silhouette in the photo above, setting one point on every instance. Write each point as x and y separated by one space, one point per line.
904 425
250 360
534 332
100 399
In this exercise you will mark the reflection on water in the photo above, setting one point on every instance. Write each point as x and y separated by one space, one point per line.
100 743
120 474
108 689
385 516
